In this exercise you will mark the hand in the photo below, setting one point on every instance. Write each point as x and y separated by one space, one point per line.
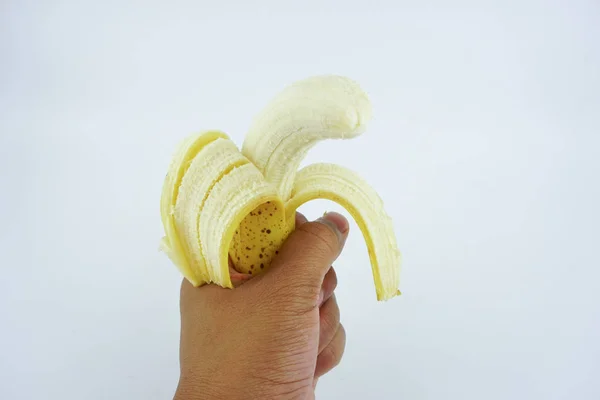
274 335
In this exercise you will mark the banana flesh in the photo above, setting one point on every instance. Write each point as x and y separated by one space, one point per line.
212 163
317 108
259 237
182 158
220 204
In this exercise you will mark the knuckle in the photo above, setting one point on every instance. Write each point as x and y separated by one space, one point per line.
333 352
185 287
186 293
329 358
331 281
336 356
324 240
339 345
330 315
342 334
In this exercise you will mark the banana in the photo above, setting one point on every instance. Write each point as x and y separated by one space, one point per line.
317 108
220 204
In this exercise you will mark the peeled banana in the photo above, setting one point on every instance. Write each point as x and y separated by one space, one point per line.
219 204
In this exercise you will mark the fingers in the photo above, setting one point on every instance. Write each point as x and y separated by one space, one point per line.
300 219
185 289
309 251
328 286
332 354
237 278
329 322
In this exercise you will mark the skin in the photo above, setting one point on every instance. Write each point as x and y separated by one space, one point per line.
274 335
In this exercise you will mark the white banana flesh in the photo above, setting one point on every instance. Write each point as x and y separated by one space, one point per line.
317 108
212 163
219 203
182 158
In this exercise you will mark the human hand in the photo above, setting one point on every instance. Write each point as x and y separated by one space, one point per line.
275 334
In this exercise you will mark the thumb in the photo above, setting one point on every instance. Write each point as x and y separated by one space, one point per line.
307 255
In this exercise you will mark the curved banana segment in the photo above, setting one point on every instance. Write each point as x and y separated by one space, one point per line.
332 182
211 164
185 153
317 108
211 196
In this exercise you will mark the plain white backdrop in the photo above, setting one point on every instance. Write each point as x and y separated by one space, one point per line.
484 146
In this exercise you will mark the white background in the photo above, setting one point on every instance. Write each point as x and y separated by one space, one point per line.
484 147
